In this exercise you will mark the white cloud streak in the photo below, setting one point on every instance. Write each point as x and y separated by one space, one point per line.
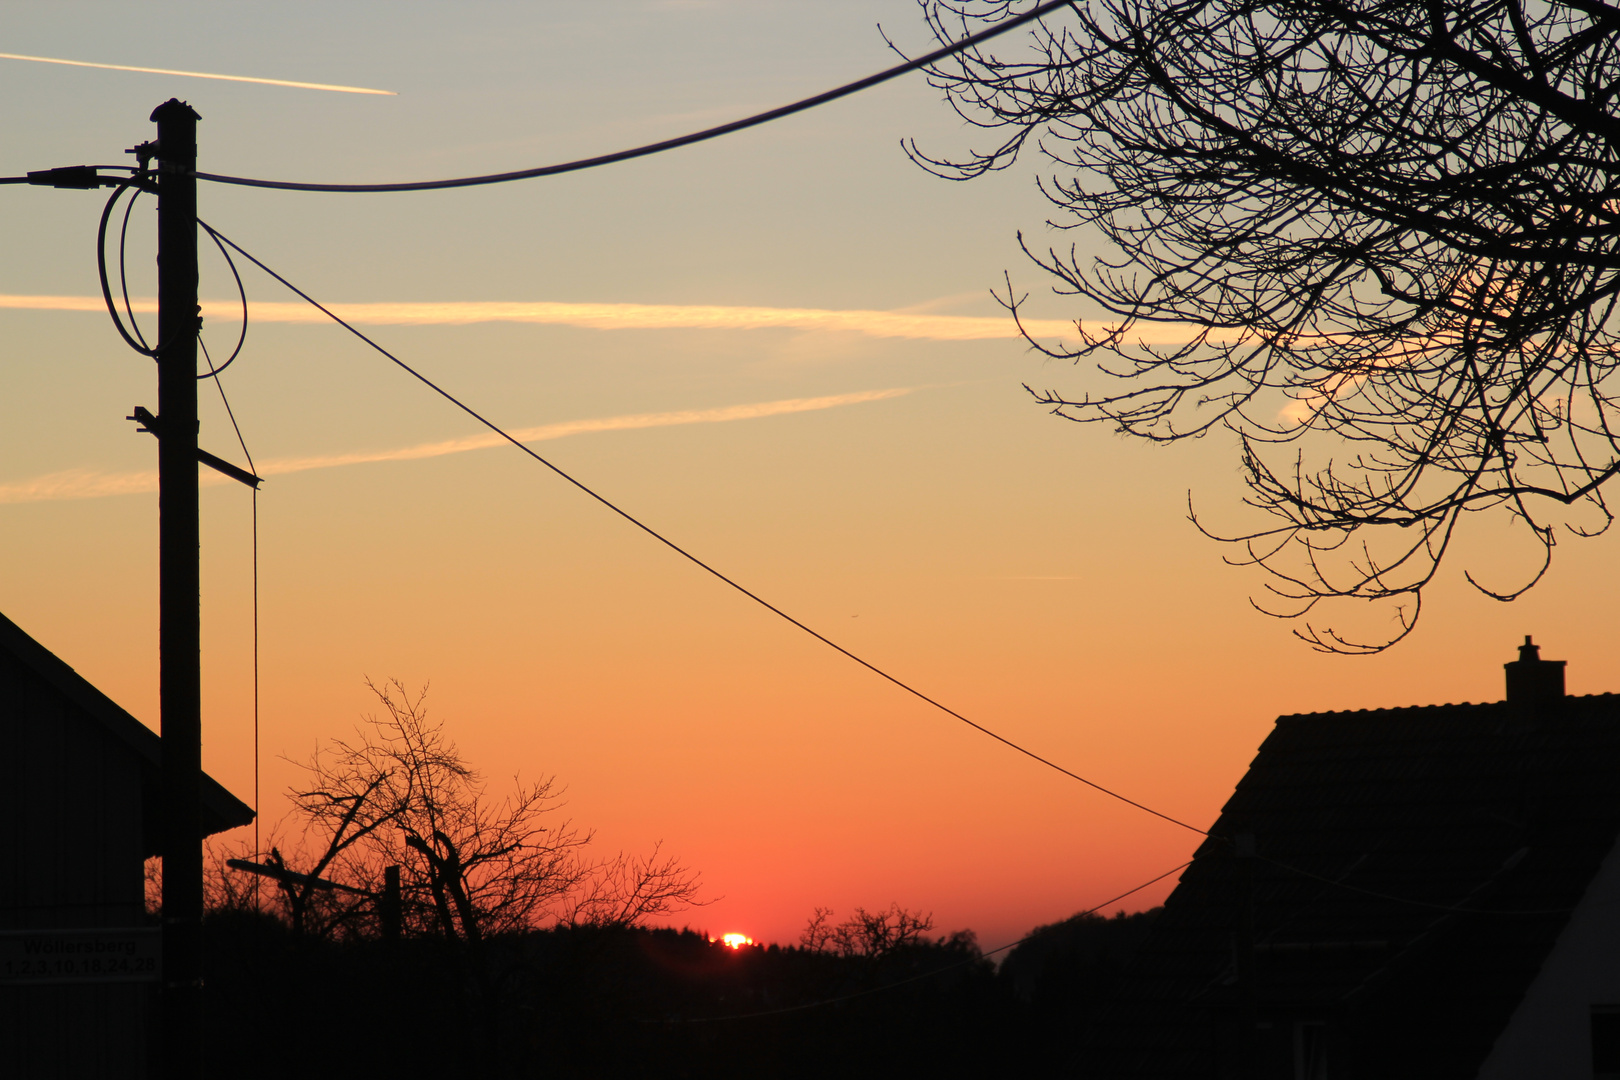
199 75
883 324
91 484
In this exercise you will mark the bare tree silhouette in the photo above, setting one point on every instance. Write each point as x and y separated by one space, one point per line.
1392 229
400 794
870 934
628 890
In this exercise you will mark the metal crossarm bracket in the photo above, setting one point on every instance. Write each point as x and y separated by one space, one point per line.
152 425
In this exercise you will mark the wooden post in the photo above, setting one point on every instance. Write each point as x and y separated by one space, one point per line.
389 907
180 682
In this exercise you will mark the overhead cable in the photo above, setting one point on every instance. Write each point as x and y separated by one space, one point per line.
668 144
673 546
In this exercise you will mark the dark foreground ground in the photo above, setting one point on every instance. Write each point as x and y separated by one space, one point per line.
618 1003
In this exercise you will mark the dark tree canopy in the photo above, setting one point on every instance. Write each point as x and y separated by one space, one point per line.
1392 229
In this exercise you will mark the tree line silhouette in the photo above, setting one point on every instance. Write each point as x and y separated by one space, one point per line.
406 923
591 1000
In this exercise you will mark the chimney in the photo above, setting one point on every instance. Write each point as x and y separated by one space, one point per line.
1532 680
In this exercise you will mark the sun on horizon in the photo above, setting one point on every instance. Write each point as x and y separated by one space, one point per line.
735 940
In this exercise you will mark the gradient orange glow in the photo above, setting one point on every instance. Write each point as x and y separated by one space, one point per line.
780 350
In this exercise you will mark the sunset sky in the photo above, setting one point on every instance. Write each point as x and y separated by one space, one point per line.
778 348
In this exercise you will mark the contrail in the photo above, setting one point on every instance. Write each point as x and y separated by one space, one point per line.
883 324
90 484
200 75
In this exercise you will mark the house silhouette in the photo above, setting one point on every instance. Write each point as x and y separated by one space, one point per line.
80 812
1424 892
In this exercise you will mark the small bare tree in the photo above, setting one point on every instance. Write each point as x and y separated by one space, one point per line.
628 890
399 793
1391 231
866 934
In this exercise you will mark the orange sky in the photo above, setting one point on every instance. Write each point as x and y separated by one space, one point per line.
778 349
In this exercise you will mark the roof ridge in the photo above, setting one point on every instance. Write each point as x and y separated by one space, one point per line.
1440 705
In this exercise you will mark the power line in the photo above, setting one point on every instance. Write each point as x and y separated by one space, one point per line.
86 176
135 340
673 546
668 144
133 336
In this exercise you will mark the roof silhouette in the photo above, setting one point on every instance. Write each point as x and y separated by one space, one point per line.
1399 873
220 809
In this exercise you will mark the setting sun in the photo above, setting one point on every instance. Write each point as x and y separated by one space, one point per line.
736 941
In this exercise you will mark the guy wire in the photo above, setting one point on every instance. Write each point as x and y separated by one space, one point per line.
220 386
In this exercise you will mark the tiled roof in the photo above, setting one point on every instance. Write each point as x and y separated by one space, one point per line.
1413 868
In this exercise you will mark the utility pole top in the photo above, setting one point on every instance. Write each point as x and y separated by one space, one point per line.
170 110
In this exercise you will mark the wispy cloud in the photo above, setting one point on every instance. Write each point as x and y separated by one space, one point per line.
199 75
91 484
883 324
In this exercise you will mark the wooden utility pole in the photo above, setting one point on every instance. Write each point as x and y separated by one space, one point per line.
180 687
